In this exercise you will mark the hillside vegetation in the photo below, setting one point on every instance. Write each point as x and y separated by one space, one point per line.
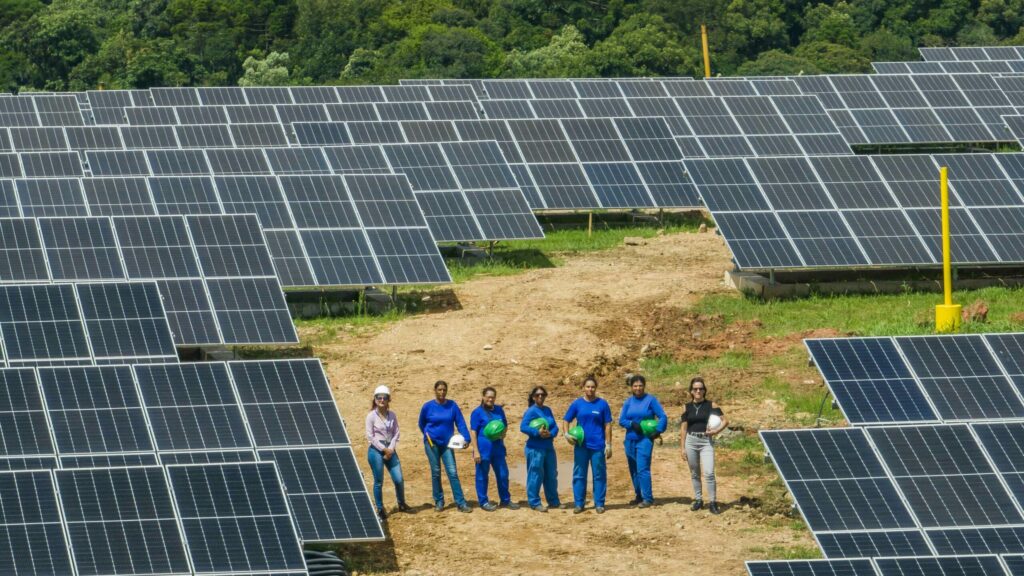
82 44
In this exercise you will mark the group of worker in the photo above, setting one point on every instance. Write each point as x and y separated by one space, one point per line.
587 425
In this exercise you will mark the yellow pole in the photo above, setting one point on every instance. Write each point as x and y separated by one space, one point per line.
707 55
590 224
947 314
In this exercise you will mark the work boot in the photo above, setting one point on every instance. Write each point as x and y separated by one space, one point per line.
489 507
577 510
713 508
645 504
697 505
403 507
465 508
510 505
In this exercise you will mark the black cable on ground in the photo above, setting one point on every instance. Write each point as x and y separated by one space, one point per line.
324 563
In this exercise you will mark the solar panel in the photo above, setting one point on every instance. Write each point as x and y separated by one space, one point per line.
235 518
33 540
42 323
812 568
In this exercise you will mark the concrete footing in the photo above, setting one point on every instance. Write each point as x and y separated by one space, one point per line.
767 289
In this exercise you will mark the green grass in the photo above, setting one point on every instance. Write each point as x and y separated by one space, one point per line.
517 256
795 552
664 369
865 315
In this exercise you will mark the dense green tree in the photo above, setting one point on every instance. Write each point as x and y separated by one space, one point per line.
269 71
825 23
777 63
567 56
833 58
644 45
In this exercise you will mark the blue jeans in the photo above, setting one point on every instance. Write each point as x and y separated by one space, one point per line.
437 455
542 468
584 458
638 456
377 465
497 461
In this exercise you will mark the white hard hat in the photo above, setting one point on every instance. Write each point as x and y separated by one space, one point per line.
382 389
457 442
714 421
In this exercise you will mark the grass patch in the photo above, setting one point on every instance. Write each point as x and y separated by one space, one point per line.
868 314
795 552
665 369
800 404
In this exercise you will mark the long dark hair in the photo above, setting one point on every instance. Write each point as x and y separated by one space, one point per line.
700 379
485 391
534 391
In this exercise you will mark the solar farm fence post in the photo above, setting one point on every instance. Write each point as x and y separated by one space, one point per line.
704 46
947 314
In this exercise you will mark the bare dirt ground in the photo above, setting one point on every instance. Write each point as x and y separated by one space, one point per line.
551 326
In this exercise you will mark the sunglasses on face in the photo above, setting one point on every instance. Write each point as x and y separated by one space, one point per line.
540 395
383 397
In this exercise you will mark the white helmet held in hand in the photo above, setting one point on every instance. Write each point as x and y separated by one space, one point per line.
714 421
458 442
382 389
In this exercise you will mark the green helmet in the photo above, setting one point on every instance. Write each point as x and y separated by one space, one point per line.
494 429
576 433
649 426
539 423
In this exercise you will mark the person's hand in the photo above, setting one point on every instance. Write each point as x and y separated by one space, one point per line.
387 453
476 456
544 433
503 432
570 440
607 451
635 426
710 433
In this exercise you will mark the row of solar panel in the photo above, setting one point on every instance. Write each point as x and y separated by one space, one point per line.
214 274
858 211
278 411
924 378
951 67
907 490
54 324
948 54
174 521
322 230
1010 565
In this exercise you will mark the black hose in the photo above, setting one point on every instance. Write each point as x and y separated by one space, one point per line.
324 563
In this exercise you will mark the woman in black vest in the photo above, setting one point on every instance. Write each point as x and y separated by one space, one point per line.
698 447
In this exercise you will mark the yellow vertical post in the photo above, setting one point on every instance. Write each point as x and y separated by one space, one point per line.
590 224
707 54
947 314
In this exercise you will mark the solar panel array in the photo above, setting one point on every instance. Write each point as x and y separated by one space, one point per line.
971 53
950 67
953 378
980 565
278 411
861 211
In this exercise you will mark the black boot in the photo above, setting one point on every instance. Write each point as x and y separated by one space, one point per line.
697 505
713 508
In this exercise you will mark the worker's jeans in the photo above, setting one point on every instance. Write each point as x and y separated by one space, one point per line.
542 468
377 465
700 455
638 456
584 458
496 460
437 455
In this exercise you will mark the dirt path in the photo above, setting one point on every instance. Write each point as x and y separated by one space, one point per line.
550 327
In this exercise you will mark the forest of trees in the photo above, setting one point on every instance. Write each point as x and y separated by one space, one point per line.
83 44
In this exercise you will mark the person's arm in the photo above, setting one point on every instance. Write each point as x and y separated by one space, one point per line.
423 419
570 415
460 423
394 441
683 425
607 431
716 409
524 426
622 416
369 433
554 423
660 413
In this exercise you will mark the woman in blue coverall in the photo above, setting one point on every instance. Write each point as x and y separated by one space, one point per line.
594 416
438 420
639 446
490 453
541 462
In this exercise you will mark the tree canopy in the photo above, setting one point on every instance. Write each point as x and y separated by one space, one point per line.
83 44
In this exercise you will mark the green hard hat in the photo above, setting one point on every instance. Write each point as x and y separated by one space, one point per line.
539 423
649 426
494 429
576 433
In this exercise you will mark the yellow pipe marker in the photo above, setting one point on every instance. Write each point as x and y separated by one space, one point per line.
707 54
947 315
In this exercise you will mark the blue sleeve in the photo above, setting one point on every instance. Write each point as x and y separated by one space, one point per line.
503 418
660 413
622 415
423 418
607 413
524 426
570 414
460 422
476 420
554 424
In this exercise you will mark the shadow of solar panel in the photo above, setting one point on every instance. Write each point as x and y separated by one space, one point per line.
140 532
235 517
